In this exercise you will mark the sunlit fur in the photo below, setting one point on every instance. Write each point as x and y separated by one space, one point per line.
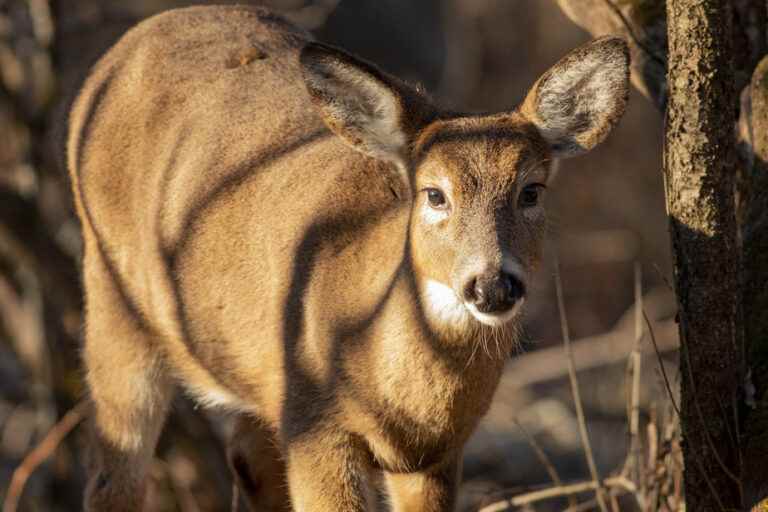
256 233
482 227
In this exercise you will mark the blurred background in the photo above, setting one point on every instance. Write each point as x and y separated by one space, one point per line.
607 210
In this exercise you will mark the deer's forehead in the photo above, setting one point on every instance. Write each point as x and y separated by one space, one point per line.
488 164
483 146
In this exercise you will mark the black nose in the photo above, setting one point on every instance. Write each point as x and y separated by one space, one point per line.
494 293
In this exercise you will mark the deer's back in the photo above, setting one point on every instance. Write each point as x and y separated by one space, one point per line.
204 176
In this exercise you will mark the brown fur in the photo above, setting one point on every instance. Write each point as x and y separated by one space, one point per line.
238 247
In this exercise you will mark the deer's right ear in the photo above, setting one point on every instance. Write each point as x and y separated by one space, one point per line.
357 101
580 99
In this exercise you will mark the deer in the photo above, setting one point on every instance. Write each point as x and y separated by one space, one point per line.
286 232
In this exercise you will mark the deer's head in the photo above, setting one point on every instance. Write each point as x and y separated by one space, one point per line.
476 181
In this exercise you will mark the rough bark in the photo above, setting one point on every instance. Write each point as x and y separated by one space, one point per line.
700 159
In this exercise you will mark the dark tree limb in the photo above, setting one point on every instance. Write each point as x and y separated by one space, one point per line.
753 214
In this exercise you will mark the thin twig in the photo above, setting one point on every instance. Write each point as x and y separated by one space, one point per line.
618 482
235 498
575 390
695 457
615 502
652 434
728 429
544 459
661 363
663 277
40 453
635 460
584 506
699 464
590 504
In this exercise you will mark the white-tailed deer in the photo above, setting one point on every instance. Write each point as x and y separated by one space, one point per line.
287 231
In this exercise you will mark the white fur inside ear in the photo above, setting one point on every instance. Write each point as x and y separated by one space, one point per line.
579 100
572 98
443 304
383 126
357 106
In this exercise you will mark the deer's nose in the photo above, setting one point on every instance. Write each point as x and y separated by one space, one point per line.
494 293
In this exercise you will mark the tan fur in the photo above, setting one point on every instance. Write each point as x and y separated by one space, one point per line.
256 230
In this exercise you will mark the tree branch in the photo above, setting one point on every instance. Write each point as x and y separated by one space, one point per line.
42 451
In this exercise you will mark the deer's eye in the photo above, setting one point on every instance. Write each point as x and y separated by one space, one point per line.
436 199
530 195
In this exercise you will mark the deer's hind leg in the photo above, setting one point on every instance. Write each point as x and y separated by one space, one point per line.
129 390
258 466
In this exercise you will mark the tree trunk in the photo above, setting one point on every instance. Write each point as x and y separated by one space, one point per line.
700 162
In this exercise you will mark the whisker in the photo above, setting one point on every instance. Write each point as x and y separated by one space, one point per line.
474 351
496 337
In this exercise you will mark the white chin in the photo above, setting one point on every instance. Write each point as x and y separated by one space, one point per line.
495 320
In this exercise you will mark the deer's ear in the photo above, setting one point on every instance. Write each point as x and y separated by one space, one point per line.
358 102
580 99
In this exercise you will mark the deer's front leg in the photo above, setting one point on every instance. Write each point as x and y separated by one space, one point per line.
433 490
327 472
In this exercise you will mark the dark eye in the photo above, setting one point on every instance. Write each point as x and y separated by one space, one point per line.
436 199
530 195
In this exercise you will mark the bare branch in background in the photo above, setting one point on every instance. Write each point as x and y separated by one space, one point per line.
597 351
586 444
544 459
43 450
619 482
634 463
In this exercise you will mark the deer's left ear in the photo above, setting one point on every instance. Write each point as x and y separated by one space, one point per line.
365 107
580 99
